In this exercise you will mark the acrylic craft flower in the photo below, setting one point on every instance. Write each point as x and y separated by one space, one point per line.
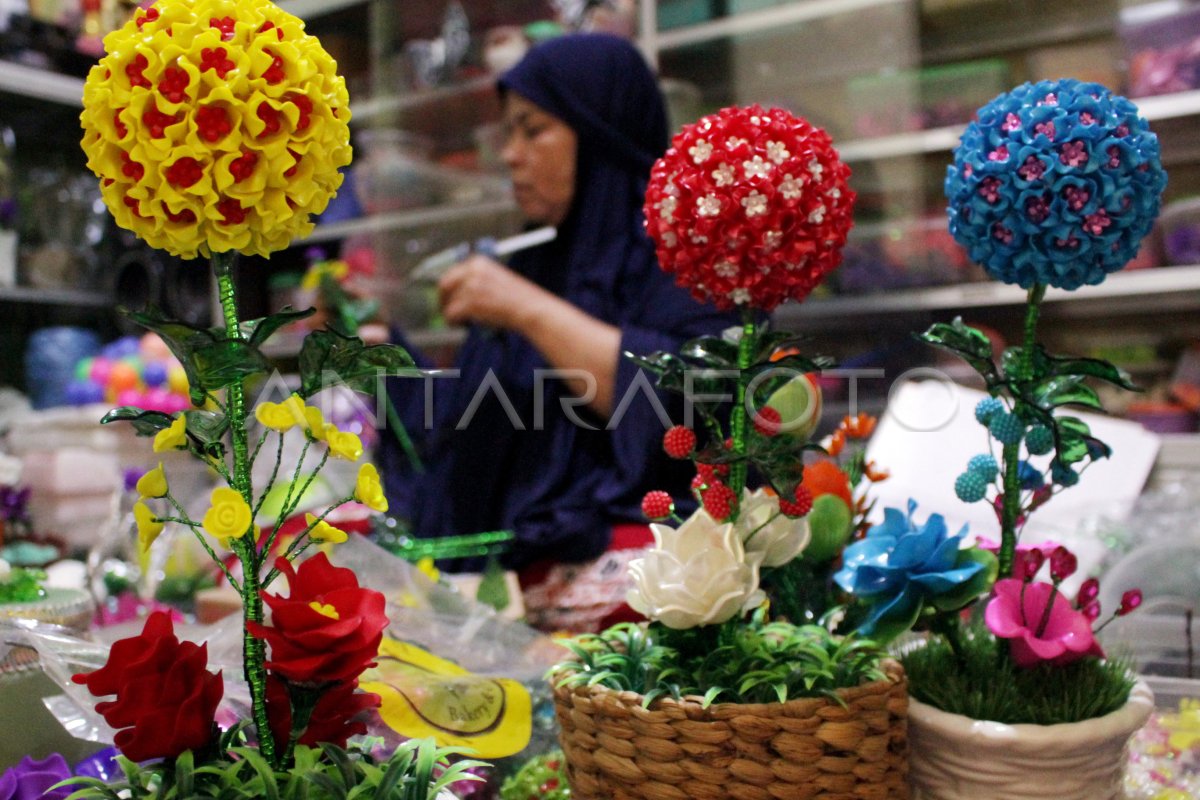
215 125
368 490
766 533
148 525
901 567
343 444
749 207
165 696
284 416
696 574
173 437
31 780
1056 183
327 629
153 483
1016 612
336 717
324 532
229 515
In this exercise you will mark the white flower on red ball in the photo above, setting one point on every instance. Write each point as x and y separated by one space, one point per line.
696 574
766 532
772 201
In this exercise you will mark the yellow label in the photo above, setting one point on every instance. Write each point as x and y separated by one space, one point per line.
426 696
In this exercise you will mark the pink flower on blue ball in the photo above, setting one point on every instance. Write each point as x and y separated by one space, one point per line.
1056 183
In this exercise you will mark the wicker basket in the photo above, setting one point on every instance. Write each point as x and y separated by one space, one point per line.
805 748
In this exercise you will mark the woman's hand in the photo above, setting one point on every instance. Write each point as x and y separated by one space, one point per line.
480 290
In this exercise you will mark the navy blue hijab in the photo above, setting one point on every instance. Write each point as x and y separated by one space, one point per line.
561 486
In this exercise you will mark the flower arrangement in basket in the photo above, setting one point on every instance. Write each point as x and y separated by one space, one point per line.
218 127
713 697
1055 185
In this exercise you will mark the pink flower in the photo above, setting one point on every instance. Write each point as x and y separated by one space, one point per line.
1017 612
1028 559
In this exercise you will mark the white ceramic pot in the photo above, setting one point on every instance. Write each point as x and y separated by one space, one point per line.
952 757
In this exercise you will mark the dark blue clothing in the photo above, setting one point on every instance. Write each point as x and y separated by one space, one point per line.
560 486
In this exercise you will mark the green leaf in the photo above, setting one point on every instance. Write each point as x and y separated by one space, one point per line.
1091 368
208 427
979 584
257 331
713 351
1014 369
1067 390
350 361
493 588
341 760
397 767
971 344
184 765
270 789
145 423
332 788
1071 436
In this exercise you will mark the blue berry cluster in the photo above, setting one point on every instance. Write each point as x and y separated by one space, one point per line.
1056 183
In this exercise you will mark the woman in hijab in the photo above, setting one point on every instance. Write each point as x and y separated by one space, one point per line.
562 458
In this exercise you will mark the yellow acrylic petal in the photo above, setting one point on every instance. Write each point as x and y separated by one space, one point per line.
324 609
345 445
324 532
173 437
228 516
367 489
148 525
153 483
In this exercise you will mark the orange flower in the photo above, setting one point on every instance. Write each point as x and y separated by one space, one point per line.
875 474
859 427
837 443
824 477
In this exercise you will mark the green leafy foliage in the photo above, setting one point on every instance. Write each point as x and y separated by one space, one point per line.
753 661
417 770
145 423
986 687
328 353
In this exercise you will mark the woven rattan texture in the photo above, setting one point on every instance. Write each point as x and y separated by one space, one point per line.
802 749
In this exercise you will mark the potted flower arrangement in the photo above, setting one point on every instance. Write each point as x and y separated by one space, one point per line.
218 127
713 697
1055 185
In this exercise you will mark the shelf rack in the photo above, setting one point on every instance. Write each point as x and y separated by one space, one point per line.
57 297
41 84
401 220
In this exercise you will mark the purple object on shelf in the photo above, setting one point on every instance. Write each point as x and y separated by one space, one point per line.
31 780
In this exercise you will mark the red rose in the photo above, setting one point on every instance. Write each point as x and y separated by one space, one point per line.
749 207
328 630
166 698
335 718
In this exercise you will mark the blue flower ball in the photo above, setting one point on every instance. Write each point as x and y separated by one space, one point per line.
985 466
1039 441
1030 476
1007 428
971 487
1062 474
1056 183
986 408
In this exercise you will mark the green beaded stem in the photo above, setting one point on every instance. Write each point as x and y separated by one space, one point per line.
737 423
1011 508
254 649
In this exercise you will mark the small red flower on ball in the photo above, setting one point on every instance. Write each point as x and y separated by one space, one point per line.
749 207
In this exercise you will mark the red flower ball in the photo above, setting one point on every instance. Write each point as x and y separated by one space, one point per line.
657 505
336 717
328 630
679 442
719 501
749 207
165 696
802 504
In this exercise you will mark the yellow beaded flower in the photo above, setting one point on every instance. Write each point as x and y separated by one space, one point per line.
229 516
216 125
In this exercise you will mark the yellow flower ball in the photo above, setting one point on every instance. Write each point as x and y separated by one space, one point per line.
148 526
324 532
343 444
282 416
216 125
337 270
229 516
368 490
173 437
153 483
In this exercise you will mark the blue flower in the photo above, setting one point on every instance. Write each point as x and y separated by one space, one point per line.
1056 183
901 568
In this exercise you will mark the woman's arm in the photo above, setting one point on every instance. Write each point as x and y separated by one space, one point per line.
484 292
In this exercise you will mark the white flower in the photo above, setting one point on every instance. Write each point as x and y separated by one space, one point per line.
815 168
708 206
754 203
726 269
765 531
723 175
733 142
700 151
778 152
696 574
756 168
667 208
772 239
740 296
817 216
790 188
5 570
